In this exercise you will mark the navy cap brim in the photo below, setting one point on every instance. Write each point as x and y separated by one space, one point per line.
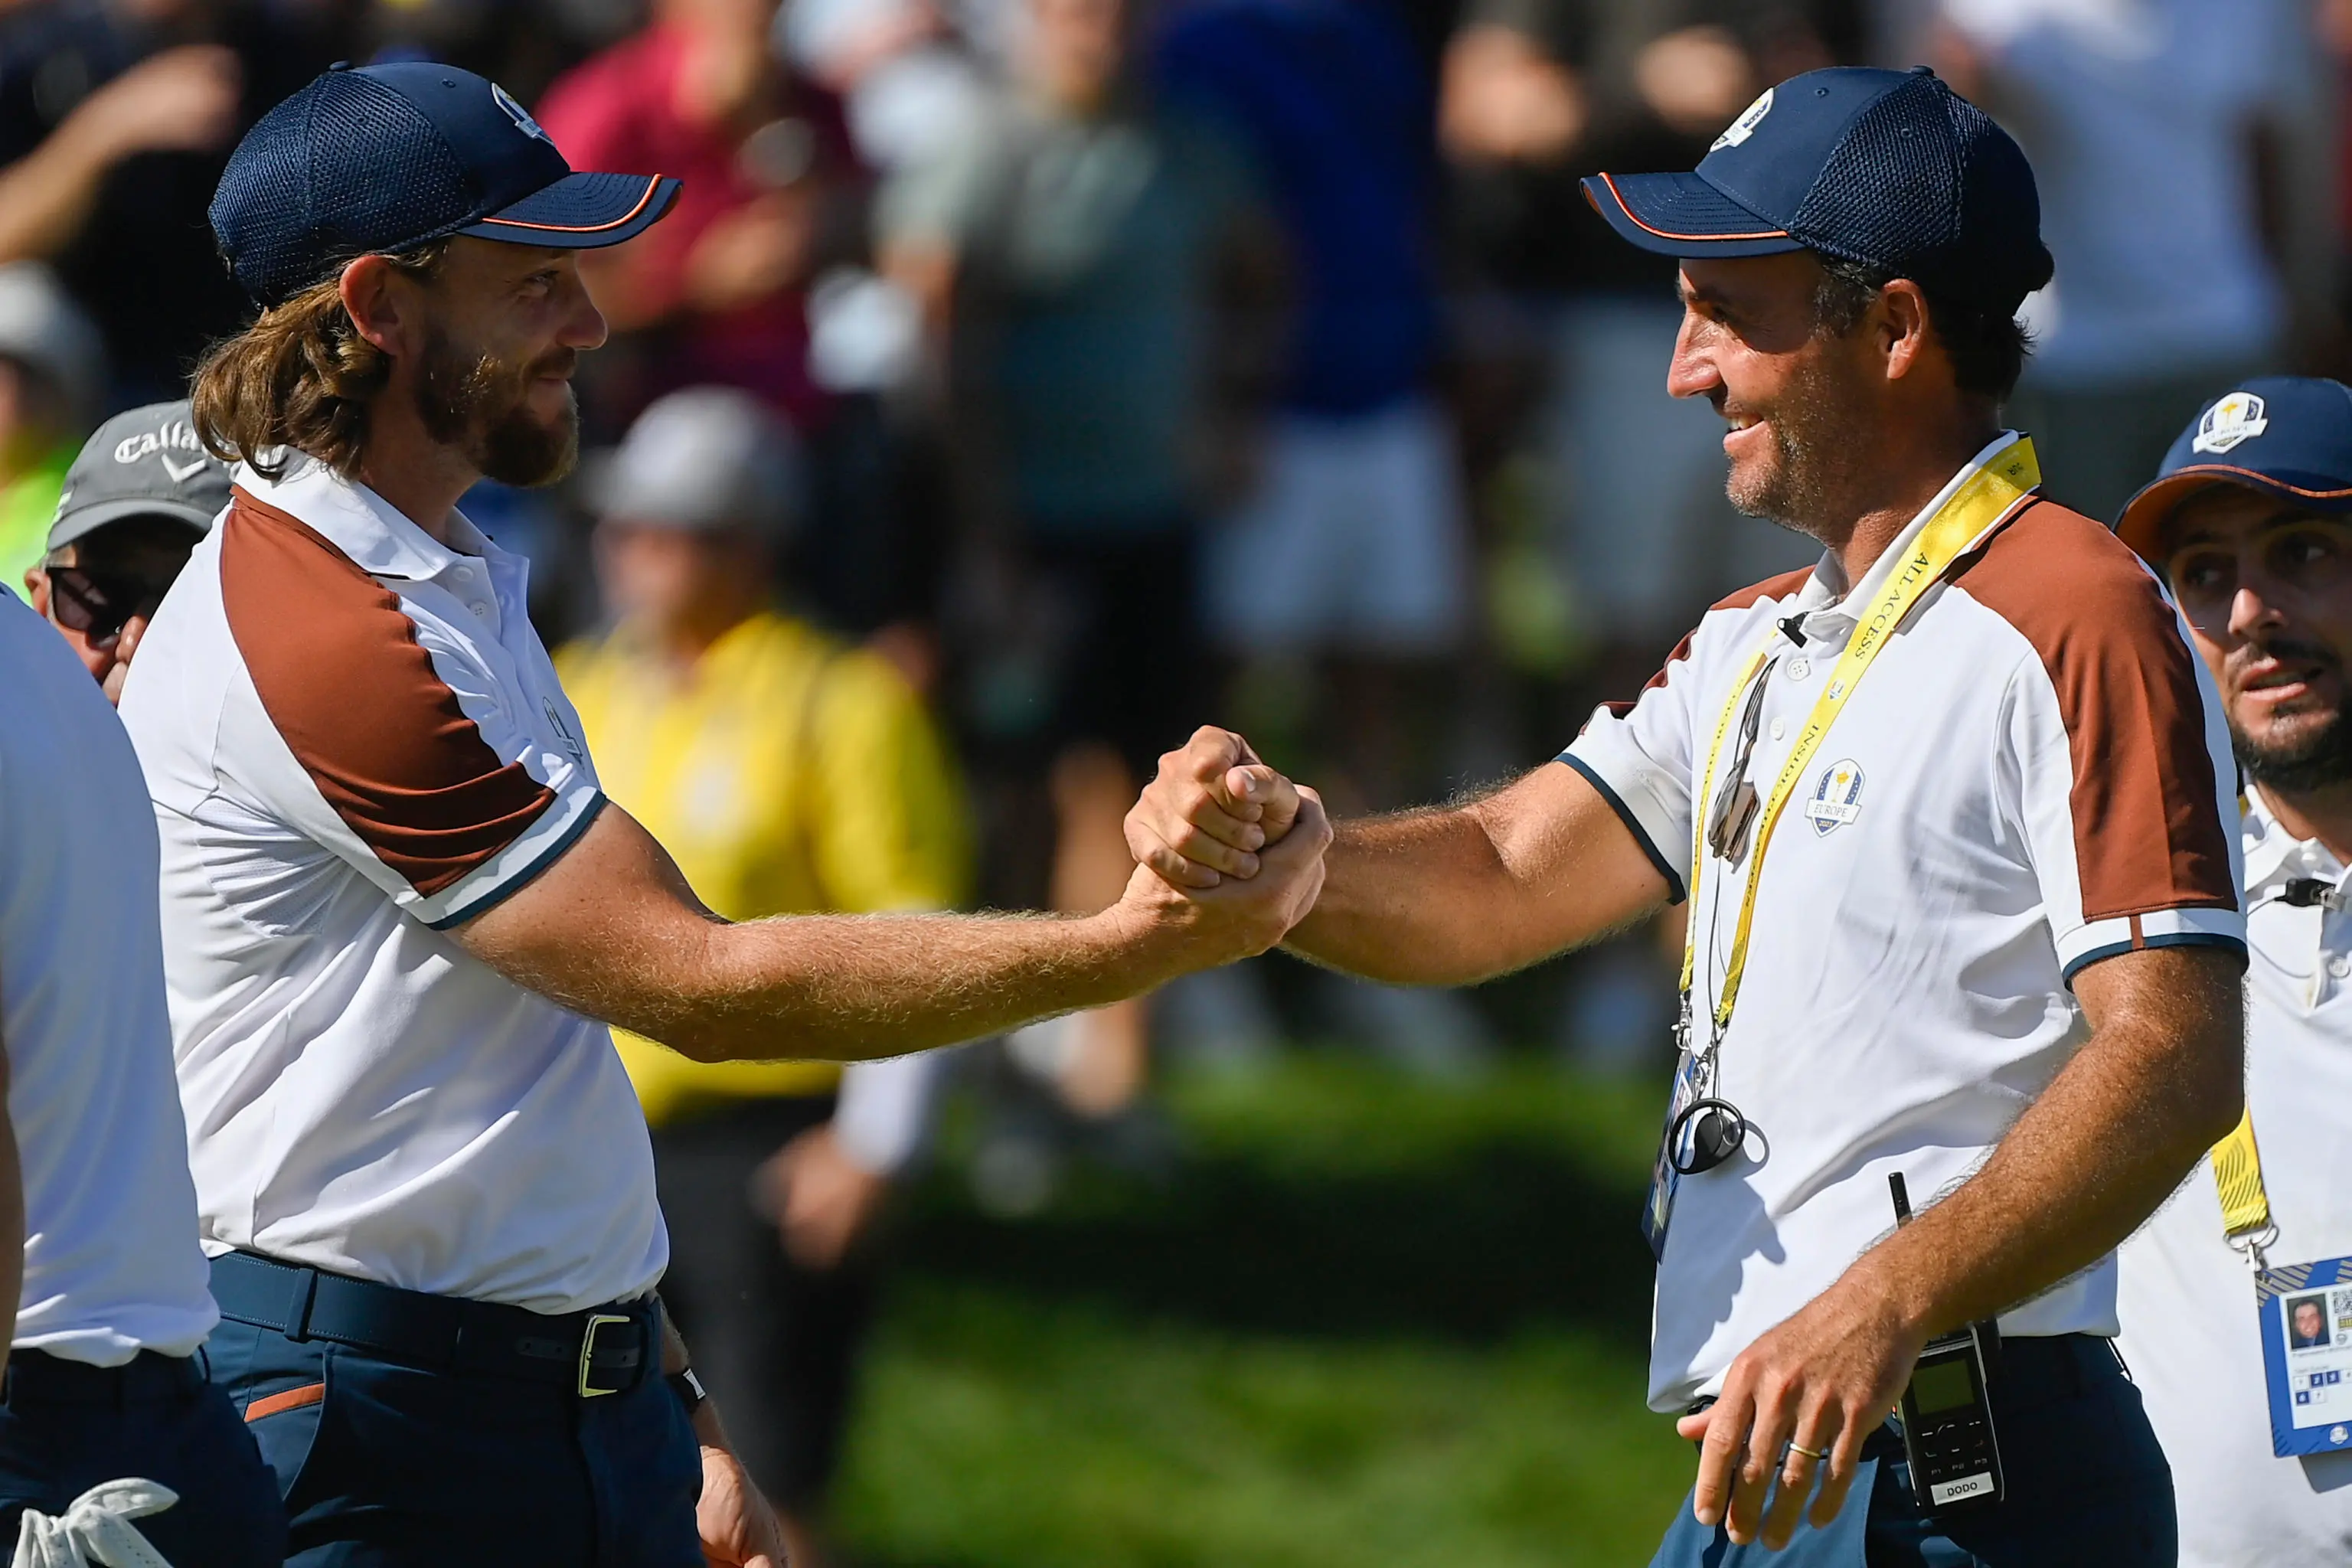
581 212
1682 215
2142 518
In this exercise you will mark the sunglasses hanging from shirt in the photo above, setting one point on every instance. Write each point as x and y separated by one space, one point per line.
1703 1128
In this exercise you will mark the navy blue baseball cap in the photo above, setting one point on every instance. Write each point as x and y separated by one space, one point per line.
385 158
1890 169
2286 435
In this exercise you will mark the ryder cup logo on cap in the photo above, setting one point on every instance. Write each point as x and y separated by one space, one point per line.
390 157
2284 435
1741 128
1888 169
2237 417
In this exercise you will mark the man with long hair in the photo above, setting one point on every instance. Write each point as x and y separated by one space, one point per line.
398 911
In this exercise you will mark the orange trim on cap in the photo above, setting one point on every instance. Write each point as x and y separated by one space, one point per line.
2258 478
293 1399
653 183
1669 233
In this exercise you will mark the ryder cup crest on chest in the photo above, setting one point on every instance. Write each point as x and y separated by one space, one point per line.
1836 798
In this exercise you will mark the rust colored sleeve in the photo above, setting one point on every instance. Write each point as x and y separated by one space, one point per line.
342 676
2147 833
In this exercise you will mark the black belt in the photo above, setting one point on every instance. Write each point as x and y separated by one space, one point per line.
36 1377
605 1350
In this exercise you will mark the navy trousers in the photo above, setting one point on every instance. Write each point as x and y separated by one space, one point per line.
382 1465
2086 1483
66 1428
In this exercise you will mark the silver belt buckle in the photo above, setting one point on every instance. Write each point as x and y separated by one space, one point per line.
588 1389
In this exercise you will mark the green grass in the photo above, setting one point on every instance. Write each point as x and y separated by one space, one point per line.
1367 1320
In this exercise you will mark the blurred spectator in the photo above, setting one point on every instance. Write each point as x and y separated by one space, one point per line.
786 773
141 492
718 292
51 369
116 117
1535 94
910 86
1068 255
1346 555
2157 129
1349 546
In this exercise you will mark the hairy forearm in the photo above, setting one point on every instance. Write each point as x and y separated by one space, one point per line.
1454 894
847 987
2159 1082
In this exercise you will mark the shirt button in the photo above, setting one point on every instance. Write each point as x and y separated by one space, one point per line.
2339 967
1779 727
1799 668
482 612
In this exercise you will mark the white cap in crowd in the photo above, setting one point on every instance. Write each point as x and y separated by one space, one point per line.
42 328
708 456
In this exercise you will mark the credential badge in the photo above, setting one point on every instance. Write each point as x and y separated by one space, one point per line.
2237 417
1741 128
1836 799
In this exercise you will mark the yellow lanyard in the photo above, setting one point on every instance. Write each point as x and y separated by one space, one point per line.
2246 1202
1984 501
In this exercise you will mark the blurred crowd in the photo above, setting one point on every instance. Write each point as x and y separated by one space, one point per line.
1020 383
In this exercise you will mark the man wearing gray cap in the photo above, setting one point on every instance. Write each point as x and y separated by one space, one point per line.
136 501
786 773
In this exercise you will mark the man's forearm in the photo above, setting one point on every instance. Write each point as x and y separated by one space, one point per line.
848 987
1454 894
2159 1083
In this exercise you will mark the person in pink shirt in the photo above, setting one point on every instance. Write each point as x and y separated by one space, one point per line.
766 166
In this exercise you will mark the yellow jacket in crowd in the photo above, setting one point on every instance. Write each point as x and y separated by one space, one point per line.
787 774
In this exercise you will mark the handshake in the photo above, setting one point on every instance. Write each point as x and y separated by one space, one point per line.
1229 853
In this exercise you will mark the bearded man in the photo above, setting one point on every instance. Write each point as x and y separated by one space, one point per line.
2251 522
1947 809
398 912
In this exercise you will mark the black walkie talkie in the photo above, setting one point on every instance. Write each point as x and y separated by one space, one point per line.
1948 1432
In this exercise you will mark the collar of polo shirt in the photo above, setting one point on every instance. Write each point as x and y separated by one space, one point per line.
374 532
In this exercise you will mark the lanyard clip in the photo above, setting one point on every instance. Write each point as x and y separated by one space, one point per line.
2252 1246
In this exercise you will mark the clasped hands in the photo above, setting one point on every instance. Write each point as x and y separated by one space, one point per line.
1225 847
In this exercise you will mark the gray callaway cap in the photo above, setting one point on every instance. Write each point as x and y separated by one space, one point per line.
146 463
709 457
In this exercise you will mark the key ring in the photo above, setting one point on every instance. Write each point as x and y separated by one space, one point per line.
1717 1132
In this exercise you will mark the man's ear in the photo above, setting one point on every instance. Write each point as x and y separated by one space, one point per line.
372 295
37 591
1901 326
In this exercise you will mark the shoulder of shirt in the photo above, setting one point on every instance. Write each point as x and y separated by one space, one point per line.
2061 579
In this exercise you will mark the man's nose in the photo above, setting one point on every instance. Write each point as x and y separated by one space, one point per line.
583 327
1691 373
2249 612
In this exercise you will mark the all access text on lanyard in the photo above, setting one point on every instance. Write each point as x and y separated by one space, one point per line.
1983 502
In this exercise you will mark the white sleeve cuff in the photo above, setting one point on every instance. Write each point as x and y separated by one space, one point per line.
1639 792
510 870
883 1115
2087 944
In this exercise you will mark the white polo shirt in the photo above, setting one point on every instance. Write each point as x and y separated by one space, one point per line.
112 1266
2039 772
2187 1300
354 742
